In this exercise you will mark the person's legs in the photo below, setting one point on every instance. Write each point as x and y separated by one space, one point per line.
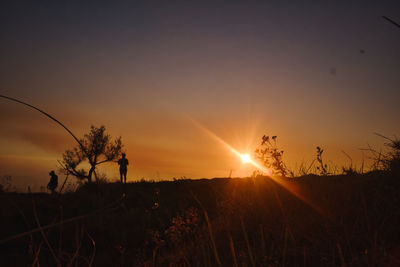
125 176
120 173
52 189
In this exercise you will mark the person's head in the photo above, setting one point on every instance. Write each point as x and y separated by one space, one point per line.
123 155
52 173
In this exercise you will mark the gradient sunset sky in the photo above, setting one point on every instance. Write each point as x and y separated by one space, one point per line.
311 72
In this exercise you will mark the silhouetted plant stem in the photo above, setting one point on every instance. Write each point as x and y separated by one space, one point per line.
94 249
391 21
232 246
323 167
342 261
246 238
61 222
48 115
210 231
44 236
285 246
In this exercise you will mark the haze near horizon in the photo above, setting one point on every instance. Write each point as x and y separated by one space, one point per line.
317 74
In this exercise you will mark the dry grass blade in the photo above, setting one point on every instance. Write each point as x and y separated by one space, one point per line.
94 249
285 246
310 166
341 254
62 187
36 259
44 235
62 222
210 231
232 246
262 241
384 137
348 156
78 242
34 251
246 238
61 232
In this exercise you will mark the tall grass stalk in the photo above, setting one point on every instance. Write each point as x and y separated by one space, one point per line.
262 241
109 207
232 246
56 259
285 246
94 249
61 232
154 257
246 238
210 231
339 247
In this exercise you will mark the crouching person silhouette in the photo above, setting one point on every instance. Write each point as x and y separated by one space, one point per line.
123 167
52 185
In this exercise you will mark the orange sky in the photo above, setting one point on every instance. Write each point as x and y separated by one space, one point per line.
317 75
163 145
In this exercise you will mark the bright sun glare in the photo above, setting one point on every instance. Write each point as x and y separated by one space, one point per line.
246 158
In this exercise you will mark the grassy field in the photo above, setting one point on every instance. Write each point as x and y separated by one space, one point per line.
345 220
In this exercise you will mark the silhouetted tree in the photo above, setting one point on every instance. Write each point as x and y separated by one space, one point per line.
97 148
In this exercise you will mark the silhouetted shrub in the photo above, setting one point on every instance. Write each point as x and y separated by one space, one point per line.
388 160
272 157
5 183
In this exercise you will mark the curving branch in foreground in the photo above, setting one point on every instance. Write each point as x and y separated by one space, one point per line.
47 115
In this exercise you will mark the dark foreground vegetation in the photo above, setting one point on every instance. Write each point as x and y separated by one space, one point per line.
344 220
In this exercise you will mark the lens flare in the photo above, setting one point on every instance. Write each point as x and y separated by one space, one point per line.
245 158
289 186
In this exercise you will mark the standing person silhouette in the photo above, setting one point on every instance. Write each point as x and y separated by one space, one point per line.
53 182
123 167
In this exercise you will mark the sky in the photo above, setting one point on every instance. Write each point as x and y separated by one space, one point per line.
315 73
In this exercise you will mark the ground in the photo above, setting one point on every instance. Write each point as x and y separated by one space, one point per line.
346 220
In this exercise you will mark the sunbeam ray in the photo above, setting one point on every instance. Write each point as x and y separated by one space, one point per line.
289 186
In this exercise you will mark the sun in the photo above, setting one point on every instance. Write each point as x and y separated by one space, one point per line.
245 158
